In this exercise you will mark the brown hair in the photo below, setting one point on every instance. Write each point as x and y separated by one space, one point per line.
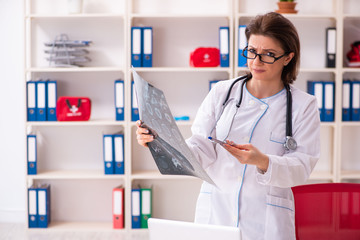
278 27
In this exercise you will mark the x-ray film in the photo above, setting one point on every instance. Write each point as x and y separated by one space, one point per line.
169 149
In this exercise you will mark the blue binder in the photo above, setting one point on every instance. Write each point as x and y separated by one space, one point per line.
136 46
224 47
51 100
316 88
119 100
329 101
147 46
242 44
212 83
118 153
355 101
41 101
346 100
135 208
32 207
108 149
32 154
31 100
134 104
43 205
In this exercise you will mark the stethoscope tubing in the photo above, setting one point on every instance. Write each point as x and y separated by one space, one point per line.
290 143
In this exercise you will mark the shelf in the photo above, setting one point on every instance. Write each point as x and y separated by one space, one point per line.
92 122
294 16
327 124
351 16
350 124
348 69
321 176
76 69
305 70
179 15
347 174
157 175
183 69
67 16
79 226
74 174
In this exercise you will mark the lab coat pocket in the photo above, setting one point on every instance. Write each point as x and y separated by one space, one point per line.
203 205
280 218
276 144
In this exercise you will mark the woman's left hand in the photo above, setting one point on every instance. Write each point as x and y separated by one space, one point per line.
248 154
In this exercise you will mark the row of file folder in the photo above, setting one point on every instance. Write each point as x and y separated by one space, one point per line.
324 91
41 100
31 145
141 207
141 46
118 207
113 150
351 100
39 206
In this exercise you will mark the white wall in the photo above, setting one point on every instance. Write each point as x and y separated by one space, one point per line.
12 115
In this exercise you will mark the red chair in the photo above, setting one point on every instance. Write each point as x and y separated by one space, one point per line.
329 211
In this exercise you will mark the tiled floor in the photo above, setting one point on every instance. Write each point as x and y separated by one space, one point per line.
11 231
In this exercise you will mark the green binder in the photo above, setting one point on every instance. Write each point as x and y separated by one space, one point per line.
146 206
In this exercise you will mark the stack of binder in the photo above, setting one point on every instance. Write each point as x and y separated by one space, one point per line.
141 207
41 100
31 146
351 100
113 153
118 207
39 206
141 46
324 91
119 100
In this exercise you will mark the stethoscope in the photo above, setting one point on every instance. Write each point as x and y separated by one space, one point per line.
290 143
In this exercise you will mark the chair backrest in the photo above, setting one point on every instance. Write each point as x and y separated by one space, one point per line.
327 211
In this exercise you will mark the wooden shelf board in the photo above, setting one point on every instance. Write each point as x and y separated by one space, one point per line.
75 174
91 122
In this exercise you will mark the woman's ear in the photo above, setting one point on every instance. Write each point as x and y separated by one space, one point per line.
288 58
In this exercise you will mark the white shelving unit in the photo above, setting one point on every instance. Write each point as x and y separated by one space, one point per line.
70 153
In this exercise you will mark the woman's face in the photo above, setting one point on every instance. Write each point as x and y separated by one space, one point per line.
266 45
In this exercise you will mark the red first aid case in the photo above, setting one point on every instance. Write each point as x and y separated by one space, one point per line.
205 57
73 109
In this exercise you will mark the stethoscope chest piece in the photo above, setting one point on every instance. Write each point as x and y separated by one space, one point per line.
290 143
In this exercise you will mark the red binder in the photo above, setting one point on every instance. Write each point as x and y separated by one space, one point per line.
118 207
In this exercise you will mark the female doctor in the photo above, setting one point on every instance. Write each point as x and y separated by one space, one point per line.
272 134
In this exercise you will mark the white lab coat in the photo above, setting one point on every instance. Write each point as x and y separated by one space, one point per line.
261 204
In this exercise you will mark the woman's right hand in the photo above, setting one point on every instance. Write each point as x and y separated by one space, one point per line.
142 134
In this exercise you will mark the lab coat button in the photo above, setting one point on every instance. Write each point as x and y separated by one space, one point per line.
246 139
239 178
263 107
251 102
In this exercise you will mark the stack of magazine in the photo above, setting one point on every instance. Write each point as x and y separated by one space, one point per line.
63 52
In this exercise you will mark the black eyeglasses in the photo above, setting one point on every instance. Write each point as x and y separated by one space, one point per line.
265 58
